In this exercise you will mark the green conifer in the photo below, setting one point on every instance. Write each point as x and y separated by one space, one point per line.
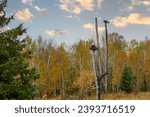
17 78
126 78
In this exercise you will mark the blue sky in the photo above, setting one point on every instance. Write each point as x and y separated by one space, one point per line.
67 21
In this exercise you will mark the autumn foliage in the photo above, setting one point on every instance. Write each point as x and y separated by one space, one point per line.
67 71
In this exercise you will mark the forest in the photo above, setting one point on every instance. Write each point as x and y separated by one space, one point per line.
42 69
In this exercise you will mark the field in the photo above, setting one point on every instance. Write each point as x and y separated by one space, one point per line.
122 96
111 96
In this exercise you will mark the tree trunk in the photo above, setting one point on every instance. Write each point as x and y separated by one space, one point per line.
145 84
98 46
106 56
63 84
99 68
62 81
98 96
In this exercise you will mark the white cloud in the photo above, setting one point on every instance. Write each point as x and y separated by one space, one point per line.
137 18
134 18
147 3
41 10
88 26
127 7
24 15
141 2
120 21
30 2
77 6
136 2
91 27
132 5
56 32
99 3
86 4
77 10
73 17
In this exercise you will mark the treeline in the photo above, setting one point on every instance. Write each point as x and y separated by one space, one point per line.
68 71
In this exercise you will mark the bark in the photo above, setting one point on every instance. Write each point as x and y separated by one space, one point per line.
145 84
103 75
96 79
98 46
106 56
62 81
97 65
99 69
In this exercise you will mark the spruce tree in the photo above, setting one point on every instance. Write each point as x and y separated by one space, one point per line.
126 78
17 78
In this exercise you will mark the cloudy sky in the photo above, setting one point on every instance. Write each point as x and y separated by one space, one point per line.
70 20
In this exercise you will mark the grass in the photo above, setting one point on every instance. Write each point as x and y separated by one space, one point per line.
124 96
110 96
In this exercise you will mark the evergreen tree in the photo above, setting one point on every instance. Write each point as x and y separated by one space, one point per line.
17 78
126 78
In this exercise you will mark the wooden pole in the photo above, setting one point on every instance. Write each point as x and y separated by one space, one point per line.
106 54
98 47
99 69
97 64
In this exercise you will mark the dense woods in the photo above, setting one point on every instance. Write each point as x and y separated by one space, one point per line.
66 72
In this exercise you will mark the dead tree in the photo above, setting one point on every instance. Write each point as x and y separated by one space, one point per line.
98 96
106 55
96 55
99 67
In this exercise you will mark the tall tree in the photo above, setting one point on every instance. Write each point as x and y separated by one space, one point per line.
139 60
43 55
17 79
117 58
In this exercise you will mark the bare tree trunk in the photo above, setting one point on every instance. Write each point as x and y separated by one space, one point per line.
62 81
80 64
99 69
63 84
98 45
106 54
145 84
98 97
105 64
54 88
99 75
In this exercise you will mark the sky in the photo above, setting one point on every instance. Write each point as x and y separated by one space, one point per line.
68 21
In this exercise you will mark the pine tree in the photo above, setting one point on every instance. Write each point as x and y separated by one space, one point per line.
17 78
125 82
